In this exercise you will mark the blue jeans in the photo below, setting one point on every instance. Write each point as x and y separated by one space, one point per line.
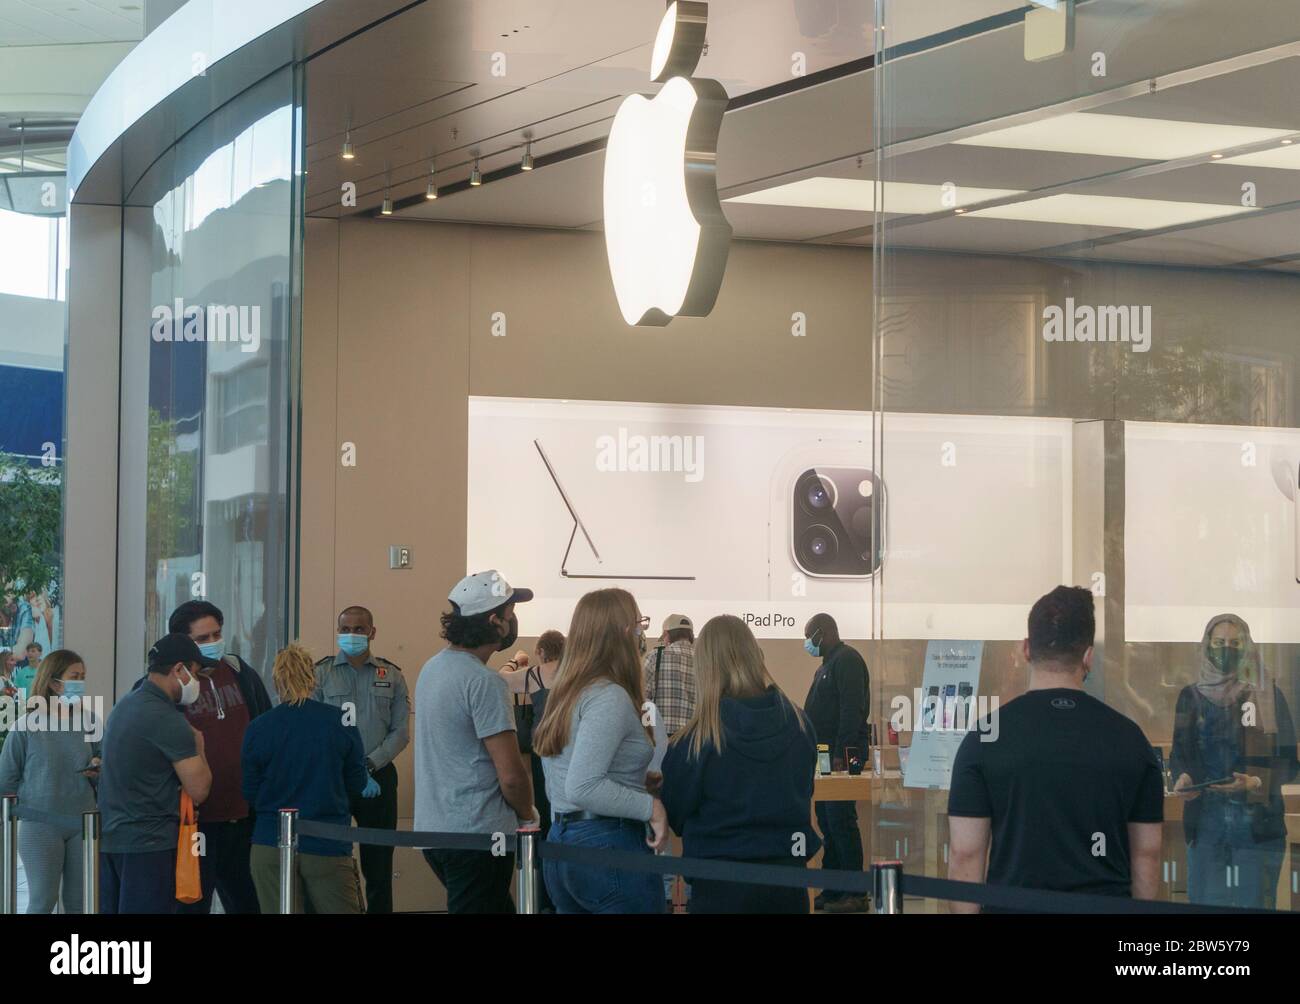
595 888
1225 865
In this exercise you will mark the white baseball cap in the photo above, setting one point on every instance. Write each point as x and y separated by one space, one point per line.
678 622
485 591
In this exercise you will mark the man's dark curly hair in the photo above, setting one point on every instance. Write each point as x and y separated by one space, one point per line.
472 631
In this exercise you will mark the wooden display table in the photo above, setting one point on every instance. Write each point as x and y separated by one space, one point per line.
842 786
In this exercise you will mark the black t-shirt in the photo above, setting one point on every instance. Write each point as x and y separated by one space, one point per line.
1060 782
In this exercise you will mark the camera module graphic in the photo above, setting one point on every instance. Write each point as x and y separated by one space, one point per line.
838 520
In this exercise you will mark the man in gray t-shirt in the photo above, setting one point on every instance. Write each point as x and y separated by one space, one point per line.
469 775
151 754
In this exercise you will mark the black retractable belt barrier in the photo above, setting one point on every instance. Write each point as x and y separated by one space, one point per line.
1011 898
407 838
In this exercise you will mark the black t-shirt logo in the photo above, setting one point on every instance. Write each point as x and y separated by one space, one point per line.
1063 703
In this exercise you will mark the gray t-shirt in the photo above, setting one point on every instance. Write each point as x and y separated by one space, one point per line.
602 768
459 702
139 792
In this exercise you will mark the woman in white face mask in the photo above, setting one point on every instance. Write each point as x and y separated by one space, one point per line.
51 759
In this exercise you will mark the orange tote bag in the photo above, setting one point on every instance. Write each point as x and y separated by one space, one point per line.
188 887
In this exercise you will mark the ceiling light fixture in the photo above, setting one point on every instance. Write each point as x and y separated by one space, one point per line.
475 175
348 152
1114 212
526 162
387 208
859 195
1126 136
431 191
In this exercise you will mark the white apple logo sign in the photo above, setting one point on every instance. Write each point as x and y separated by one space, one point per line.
665 234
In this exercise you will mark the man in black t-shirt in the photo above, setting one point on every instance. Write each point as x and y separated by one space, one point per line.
1068 790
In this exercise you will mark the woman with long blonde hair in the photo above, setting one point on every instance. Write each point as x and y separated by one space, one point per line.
595 750
738 779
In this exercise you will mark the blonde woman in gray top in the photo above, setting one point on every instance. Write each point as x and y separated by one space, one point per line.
595 750
49 760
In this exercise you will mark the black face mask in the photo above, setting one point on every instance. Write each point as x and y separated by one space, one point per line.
511 636
1227 660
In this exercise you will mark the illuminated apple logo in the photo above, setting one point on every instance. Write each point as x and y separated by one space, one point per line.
665 234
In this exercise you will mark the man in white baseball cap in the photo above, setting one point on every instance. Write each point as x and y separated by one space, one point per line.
469 775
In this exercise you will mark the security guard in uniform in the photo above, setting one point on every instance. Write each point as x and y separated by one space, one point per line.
371 693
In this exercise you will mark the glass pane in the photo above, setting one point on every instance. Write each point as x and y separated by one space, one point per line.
211 228
1086 240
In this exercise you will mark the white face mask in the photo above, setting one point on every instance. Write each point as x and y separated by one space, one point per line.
189 691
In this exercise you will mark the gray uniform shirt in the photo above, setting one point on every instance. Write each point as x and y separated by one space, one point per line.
602 768
377 691
42 762
459 702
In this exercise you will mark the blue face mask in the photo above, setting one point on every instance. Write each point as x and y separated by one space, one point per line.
73 690
813 650
213 649
353 644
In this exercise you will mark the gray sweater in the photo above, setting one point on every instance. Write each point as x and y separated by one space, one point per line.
42 766
602 768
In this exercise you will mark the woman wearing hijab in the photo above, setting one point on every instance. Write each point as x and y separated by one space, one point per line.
1233 727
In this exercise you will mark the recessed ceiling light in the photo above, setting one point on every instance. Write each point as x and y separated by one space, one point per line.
1123 136
859 195
1110 211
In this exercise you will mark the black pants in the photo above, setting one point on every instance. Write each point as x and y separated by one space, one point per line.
476 881
144 882
712 896
841 839
224 869
379 813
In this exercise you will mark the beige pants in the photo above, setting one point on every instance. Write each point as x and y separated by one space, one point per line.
328 884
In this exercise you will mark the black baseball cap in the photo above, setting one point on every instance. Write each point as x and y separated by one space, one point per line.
170 649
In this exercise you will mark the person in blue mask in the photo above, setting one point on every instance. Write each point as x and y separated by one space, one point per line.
838 706
231 696
51 761
371 693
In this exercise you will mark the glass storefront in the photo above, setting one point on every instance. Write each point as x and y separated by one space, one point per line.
1086 301
209 318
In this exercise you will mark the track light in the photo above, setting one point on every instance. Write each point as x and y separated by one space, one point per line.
526 163
475 175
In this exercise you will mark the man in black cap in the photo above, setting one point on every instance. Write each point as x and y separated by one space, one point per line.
150 753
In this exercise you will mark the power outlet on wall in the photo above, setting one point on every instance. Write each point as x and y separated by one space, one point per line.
399 556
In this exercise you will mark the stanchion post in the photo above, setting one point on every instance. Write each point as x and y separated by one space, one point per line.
90 862
887 886
9 854
526 892
288 844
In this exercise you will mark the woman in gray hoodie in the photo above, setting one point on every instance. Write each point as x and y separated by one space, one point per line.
50 760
